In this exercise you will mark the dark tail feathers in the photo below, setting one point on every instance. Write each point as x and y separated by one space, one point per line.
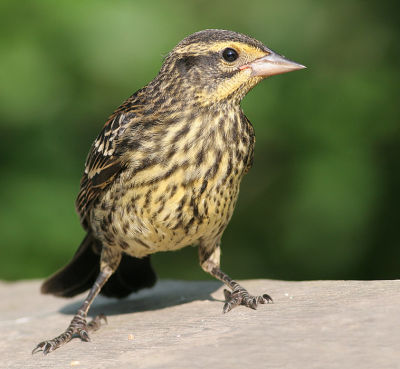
81 272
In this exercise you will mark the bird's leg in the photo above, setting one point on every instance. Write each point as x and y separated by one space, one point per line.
209 261
78 325
238 295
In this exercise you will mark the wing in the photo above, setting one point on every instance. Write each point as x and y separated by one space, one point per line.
251 143
104 161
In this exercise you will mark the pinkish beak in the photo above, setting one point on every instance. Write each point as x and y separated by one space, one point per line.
271 65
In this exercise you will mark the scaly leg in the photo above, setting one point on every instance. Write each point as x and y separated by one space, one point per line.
78 326
209 261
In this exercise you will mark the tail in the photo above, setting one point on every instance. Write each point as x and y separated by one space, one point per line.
80 273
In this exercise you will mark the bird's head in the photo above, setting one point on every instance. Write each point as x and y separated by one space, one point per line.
216 65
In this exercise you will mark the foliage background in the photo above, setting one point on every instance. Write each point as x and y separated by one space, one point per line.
322 200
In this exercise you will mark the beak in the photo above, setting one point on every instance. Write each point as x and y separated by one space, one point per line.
271 65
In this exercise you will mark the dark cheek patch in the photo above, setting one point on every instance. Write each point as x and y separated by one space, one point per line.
185 63
207 63
204 67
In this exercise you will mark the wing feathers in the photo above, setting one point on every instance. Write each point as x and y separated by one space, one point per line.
104 161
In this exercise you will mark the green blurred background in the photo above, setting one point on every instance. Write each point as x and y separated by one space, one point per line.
322 200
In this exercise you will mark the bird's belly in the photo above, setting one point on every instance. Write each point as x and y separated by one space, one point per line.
168 214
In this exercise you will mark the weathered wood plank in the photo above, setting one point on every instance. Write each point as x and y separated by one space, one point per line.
318 324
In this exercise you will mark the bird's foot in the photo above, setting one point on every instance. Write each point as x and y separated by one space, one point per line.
240 296
78 327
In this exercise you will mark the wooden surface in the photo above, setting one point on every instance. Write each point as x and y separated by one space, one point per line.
177 324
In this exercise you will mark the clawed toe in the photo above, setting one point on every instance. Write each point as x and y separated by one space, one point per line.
83 334
266 299
55 343
44 346
95 324
78 327
242 297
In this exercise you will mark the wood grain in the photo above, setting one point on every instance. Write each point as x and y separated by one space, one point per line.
179 324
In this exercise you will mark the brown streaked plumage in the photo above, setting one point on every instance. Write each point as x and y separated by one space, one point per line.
164 173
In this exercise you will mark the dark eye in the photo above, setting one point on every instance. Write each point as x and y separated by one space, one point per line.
230 55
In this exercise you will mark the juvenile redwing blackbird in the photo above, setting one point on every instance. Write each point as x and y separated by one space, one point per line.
164 173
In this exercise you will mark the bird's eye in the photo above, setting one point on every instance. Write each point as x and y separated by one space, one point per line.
230 55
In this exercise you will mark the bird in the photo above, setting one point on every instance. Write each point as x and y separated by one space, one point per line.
164 173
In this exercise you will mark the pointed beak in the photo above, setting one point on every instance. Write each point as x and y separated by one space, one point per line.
271 65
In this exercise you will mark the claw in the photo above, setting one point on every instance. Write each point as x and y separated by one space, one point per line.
44 346
227 294
48 348
241 297
267 298
95 324
253 303
38 348
102 316
78 327
83 335
227 307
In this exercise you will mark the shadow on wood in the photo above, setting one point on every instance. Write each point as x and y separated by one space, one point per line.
163 295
